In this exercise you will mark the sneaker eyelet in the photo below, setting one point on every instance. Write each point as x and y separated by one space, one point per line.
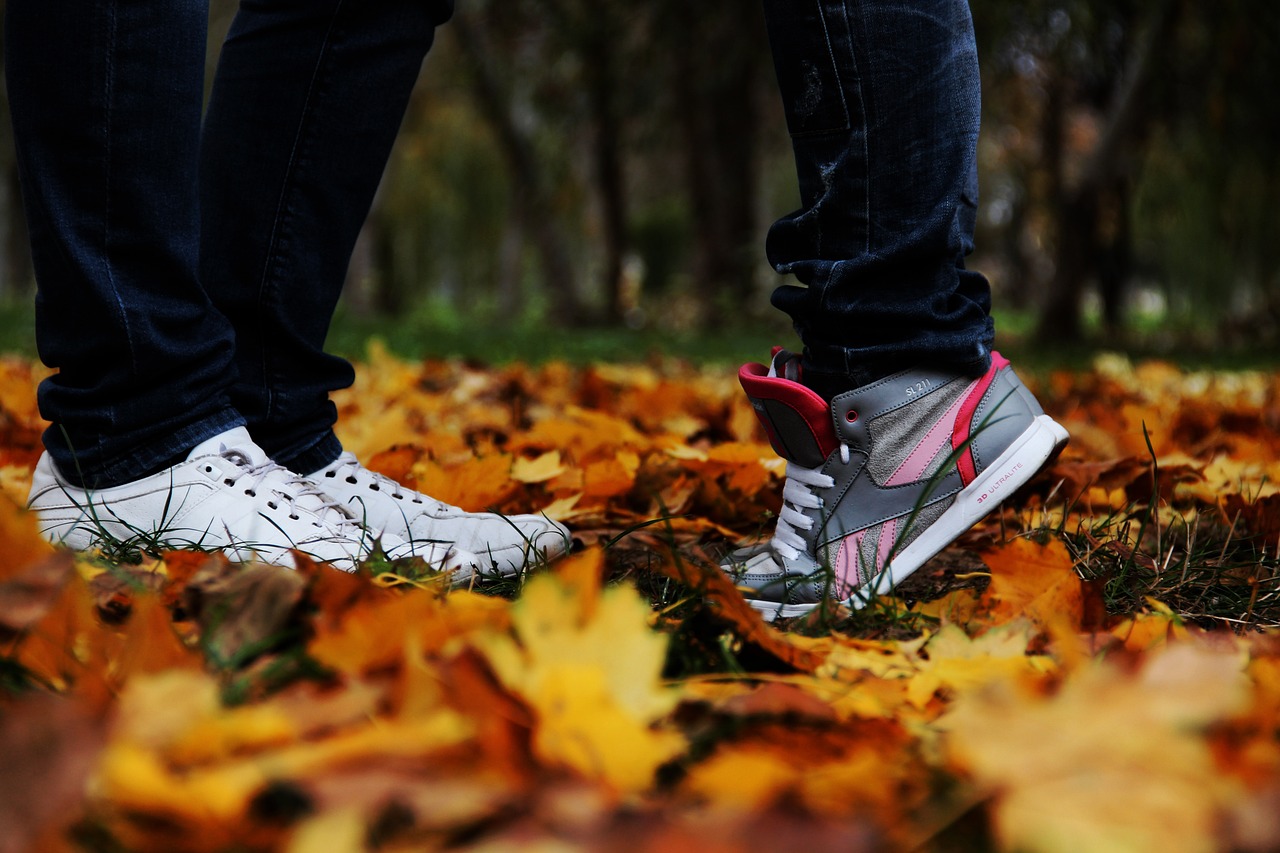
229 481
373 487
251 493
352 480
272 505
851 416
294 517
331 474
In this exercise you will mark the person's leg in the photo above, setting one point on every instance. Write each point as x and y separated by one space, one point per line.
306 104
901 427
882 100
105 101
145 450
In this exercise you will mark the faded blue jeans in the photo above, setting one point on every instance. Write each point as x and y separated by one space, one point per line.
882 101
186 274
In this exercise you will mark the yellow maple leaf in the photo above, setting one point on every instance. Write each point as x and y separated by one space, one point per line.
1111 762
959 663
539 469
591 668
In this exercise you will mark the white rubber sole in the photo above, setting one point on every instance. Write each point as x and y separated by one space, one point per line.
1021 461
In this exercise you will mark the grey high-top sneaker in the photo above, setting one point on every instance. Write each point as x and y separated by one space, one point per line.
884 476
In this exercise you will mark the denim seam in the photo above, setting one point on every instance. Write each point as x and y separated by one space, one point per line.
849 365
107 270
831 55
283 211
862 114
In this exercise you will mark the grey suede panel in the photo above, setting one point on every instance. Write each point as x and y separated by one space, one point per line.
895 434
923 520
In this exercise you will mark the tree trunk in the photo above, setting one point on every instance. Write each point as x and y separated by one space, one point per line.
716 96
532 200
599 48
1079 251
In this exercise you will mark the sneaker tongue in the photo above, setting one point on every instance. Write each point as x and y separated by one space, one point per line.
235 440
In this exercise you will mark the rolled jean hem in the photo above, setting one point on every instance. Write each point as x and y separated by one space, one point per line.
863 366
142 461
311 459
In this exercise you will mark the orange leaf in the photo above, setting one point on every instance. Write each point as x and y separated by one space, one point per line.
23 544
150 645
1035 581
611 477
725 601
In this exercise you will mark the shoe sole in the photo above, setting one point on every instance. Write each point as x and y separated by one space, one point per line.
1021 461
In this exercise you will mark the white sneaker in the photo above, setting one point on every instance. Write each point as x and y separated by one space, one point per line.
227 495
504 544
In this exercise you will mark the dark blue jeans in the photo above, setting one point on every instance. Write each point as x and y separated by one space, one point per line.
186 279
882 101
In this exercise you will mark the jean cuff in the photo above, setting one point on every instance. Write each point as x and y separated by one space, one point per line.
142 461
312 458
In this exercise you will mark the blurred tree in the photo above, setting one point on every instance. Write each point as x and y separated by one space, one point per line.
1119 135
502 100
719 73
16 276
1068 97
561 154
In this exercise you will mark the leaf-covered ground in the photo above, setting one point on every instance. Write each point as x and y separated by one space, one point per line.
1094 667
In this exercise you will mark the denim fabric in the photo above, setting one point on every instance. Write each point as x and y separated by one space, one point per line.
882 101
164 332
305 107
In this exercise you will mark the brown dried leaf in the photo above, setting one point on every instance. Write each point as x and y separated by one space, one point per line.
242 609
725 602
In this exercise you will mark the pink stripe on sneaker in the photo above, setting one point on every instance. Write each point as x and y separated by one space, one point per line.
849 566
849 562
917 461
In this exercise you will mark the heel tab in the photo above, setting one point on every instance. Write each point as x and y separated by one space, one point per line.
797 420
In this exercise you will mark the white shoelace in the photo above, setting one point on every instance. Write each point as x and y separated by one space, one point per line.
293 490
797 496
348 467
